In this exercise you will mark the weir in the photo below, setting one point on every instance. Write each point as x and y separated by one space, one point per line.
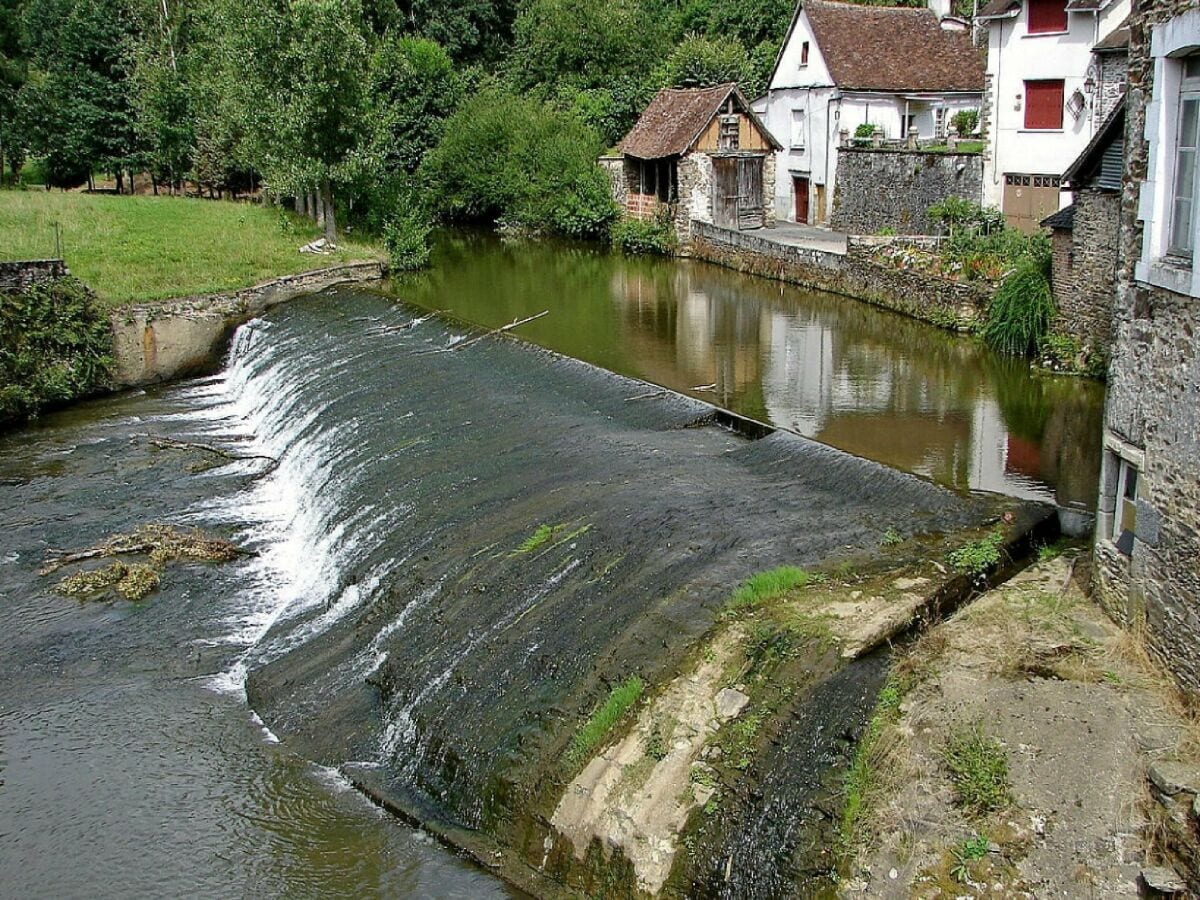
481 544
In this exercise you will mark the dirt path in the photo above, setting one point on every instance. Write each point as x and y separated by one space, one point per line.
1011 761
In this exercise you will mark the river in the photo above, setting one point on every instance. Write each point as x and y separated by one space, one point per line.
129 761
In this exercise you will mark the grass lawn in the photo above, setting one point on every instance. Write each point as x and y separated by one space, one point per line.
134 249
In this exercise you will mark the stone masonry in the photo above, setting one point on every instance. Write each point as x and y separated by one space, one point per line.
1085 264
915 180
18 276
1153 415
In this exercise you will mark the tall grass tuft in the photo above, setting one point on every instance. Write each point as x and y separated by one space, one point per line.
604 717
769 585
1021 311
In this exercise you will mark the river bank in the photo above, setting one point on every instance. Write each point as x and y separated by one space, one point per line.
1010 757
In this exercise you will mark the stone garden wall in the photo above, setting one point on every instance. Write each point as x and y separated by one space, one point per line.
18 276
880 188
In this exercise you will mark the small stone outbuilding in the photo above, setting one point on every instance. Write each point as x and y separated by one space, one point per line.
1085 239
699 153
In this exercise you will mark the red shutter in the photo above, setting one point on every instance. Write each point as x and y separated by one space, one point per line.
1047 16
1044 104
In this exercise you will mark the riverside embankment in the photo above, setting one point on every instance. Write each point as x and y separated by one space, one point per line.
458 556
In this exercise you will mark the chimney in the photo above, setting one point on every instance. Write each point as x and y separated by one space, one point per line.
941 8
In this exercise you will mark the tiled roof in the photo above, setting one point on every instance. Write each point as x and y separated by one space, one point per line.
887 48
1110 131
1063 220
677 116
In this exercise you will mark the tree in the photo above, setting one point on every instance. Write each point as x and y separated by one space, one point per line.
12 76
700 61
164 122
77 101
472 31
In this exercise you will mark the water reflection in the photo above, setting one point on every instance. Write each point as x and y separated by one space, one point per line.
867 381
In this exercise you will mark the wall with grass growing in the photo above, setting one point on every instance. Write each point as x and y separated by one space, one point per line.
916 180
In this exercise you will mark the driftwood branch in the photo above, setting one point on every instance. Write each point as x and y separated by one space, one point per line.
649 396
392 329
172 444
166 540
501 330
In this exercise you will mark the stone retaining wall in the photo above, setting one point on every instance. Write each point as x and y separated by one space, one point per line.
18 276
948 304
915 179
159 342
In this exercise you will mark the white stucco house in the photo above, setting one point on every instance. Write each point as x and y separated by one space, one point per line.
1047 63
904 70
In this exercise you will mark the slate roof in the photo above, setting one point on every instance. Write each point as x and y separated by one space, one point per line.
893 49
1112 130
1117 42
676 117
1063 220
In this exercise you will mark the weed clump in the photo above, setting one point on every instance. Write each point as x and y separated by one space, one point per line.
548 534
862 781
620 699
978 556
978 769
769 585
133 582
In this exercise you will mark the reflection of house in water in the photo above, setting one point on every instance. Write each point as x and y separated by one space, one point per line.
871 383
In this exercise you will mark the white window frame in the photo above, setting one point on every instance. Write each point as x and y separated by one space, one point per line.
1189 92
1170 41
1121 460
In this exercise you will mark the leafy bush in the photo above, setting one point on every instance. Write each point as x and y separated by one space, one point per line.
517 160
965 121
960 214
1021 310
865 130
980 555
700 61
55 346
406 237
645 236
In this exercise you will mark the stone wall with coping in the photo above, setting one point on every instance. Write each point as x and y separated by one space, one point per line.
19 276
618 180
948 304
1152 415
1085 270
915 180
163 341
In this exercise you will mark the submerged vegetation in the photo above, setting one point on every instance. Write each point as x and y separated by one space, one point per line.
603 718
55 346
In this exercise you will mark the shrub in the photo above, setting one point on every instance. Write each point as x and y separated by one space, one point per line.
1021 310
965 121
865 130
55 346
406 237
645 236
702 61
518 160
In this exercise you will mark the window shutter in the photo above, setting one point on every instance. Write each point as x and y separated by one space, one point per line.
1044 104
1047 16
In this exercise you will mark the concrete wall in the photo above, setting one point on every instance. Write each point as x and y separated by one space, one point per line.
1153 411
1015 56
17 276
945 303
160 342
915 181
1085 268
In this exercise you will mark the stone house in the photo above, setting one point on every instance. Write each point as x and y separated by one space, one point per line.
1084 239
1147 546
904 71
1054 71
699 153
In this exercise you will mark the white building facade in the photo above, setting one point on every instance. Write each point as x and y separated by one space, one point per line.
843 65
1044 91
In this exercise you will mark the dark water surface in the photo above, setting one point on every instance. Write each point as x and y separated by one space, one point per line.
873 383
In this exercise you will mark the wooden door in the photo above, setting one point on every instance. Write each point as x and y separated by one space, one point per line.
750 192
800 187
1028 199
725 192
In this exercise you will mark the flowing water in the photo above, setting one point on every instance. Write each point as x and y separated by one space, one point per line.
130 763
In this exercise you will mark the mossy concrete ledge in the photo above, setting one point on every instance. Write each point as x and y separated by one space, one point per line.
159 342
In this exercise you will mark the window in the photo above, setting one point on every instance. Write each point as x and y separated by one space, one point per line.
1047 16
798 129
730 139
1125 514
1044 105
1183 194
939 122
804 54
